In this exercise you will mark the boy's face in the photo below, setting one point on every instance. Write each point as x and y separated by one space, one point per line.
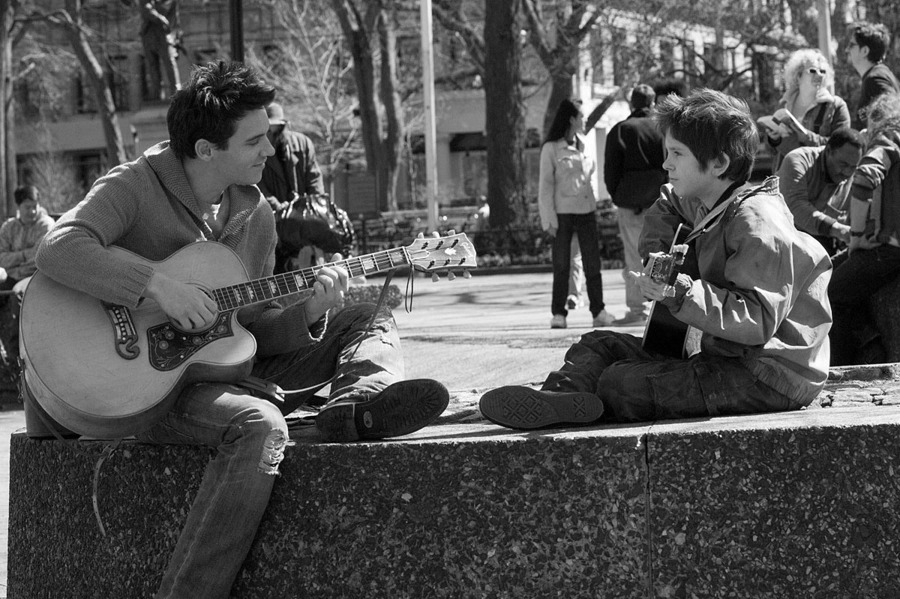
687 176
242 162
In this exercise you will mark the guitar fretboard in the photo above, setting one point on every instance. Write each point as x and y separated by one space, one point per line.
263 290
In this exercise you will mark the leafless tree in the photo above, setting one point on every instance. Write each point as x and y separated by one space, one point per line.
311 70
70 20
369 27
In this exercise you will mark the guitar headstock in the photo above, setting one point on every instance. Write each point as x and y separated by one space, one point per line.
434 254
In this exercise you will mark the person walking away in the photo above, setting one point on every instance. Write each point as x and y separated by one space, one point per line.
633 173
567 204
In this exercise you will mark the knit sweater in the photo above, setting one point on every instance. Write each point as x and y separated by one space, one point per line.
147 207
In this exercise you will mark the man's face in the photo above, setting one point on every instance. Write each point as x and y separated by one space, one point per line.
842 162
857 56
243 160
28 211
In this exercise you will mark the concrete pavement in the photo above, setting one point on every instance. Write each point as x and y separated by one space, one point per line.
470 334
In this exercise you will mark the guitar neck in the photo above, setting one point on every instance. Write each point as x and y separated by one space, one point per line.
266 289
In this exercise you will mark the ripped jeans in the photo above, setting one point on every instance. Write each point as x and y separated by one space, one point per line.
249 435
636 385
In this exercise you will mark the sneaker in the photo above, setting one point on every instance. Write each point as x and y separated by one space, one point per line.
632 318
527 408
604 319
400 409
573 301
558 321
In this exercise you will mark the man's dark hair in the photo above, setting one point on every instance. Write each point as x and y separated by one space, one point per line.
567 109
25 193
642 96
213 101
873 36
712 124
842 136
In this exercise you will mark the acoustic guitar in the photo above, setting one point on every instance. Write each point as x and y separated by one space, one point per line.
108 371
664 333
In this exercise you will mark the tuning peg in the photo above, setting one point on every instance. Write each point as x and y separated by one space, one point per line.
435 277
467 274
451 275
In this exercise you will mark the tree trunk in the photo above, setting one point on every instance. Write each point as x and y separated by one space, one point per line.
7 147
381 141
115 148
390 99
504 120
563 88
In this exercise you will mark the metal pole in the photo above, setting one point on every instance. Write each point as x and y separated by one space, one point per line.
430 129
236 12
824 9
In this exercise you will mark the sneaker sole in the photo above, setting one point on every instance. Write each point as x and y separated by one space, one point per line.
527 408
401 409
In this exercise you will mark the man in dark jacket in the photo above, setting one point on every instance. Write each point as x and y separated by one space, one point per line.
633 174
292 171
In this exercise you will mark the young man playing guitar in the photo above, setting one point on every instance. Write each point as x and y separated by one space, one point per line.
201 186
760 300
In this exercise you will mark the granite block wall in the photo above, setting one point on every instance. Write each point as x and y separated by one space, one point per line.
502 517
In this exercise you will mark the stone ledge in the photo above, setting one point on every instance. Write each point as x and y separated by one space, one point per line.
783 505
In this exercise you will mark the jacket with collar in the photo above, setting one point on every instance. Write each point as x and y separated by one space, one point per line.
632 166
566 182
762 293
807 188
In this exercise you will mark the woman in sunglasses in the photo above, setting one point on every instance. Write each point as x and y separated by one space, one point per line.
808 112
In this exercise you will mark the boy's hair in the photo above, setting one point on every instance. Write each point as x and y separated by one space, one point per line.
873 36
712 124
25 193
567 109
883 115
642 96
843 136
213 101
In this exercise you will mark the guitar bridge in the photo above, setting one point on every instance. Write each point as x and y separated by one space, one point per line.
169 346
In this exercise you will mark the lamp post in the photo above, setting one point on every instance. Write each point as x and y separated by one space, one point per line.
430 128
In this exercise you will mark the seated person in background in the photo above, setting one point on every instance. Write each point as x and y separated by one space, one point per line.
19 238
201 186
874 250
760 301
815 183
808 111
